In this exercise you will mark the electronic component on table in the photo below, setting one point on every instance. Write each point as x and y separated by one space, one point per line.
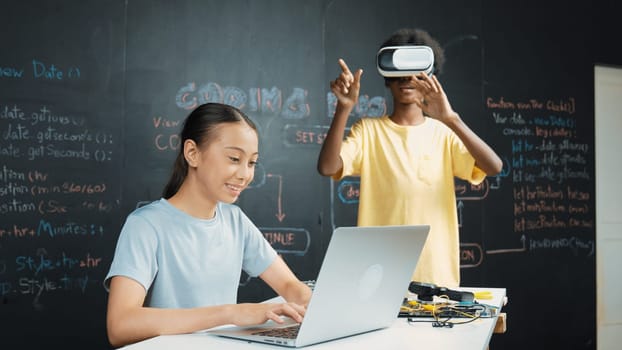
427 291
414 308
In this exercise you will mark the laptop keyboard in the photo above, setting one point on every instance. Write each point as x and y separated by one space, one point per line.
286 332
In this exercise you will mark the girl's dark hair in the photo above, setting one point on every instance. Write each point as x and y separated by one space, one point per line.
415 36
199 127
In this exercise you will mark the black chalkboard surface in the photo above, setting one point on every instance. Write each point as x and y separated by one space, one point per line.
540 241
61 121
92 95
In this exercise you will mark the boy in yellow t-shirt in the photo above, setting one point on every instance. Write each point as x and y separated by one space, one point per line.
407 160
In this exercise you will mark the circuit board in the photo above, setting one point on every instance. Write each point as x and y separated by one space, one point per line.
446 310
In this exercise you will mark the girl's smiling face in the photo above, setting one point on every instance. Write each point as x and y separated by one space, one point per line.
225 166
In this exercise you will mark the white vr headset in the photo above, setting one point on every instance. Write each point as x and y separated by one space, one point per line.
400 61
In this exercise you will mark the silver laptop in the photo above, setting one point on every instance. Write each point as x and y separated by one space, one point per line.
360 287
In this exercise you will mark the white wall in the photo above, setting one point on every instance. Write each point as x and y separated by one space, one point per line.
608 151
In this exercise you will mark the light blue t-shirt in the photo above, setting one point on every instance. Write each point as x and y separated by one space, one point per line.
185 262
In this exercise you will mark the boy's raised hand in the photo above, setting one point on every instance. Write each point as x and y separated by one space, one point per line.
434 102
347 85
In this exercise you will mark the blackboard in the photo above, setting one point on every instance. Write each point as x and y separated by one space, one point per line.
92 95
61 138
543 123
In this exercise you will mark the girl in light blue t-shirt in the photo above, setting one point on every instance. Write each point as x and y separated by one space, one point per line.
178 260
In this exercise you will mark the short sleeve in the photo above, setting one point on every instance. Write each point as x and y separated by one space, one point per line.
135 253
463 163
351 155
258 253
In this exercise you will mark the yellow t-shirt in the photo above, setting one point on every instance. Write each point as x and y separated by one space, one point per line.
407 178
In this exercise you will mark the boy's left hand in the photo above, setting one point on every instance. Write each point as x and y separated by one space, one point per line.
434 102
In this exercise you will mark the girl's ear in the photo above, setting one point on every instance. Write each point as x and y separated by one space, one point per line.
191 153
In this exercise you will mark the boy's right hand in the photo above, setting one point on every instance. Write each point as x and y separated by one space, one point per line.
347 85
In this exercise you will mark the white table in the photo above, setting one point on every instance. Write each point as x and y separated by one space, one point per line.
401 335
